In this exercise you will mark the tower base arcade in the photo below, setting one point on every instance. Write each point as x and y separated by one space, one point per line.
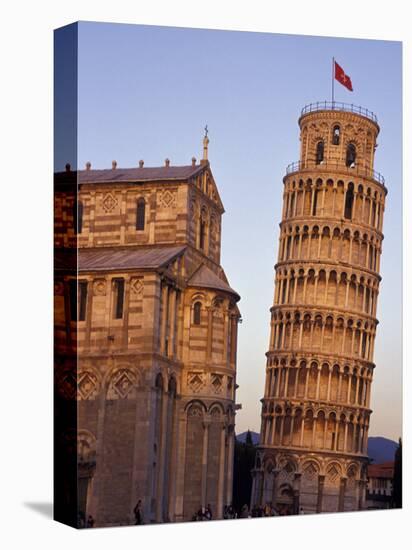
295 482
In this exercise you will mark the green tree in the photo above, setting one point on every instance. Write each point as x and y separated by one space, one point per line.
244 462
397 478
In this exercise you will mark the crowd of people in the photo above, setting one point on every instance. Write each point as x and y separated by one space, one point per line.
229 512
83 522
206 514
203 514
260 511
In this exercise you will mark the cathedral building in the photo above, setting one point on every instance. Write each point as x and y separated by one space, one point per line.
316 406
145 341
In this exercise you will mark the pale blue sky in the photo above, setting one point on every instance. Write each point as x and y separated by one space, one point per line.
147 92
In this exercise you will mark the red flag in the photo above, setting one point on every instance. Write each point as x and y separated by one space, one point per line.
343 78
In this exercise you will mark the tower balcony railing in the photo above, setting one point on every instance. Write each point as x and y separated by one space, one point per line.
338 106
337 165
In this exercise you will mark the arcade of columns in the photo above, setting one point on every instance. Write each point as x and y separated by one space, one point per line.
316 405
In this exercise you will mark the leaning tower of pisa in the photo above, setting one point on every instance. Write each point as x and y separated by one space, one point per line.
316 405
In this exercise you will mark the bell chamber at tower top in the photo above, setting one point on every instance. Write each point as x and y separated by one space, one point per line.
337 137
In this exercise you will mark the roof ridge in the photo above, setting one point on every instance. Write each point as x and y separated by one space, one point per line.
120 168
215 282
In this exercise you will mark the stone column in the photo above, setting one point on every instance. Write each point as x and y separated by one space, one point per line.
342 489
314 423
174 457
343 339
312 328
233 340
300 333
282 344
226 338
165 295
206 425
172 317
181 462
350 249
302 430
325 429
303 202
357 389
296 492
254 484
339 387
295 286
209 333
162 459
271 433
275 335
349 388
285 204
259 494
295 390
292 424
318 382
329 383
306 382
323 201
287 378
89 310
180 326
347 293
335 441
287 290
279 372
361 494
230 458
275 486
355 196
353 340
345 439
321 484
282 425
221 481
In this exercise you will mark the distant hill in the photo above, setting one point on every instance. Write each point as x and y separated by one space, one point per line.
381 449
242 437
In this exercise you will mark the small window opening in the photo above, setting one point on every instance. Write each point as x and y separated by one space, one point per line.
336 135
197 313
349 202
140 214
78 300
77 217
202 234
315 201
119 298
82 300
351 155
319 152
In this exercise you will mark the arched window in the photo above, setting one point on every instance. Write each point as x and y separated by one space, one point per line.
197 308
336 135
292 204
315 201
118 298
349 202
350 155
202 234
140 214
172 387
77 216
319 151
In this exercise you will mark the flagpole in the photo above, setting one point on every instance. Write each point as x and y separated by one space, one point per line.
333 82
